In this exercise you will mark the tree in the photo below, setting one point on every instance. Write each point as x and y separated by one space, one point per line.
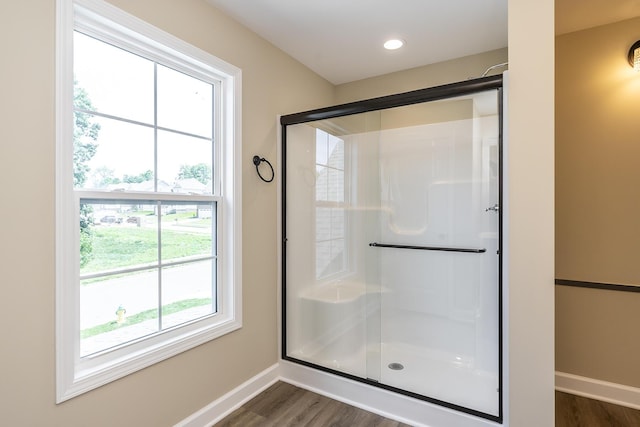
85 145
85 135
201 172
141 177
103 177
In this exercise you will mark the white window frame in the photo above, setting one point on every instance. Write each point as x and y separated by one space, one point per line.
75 375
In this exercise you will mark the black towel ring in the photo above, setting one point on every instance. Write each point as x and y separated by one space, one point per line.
256 161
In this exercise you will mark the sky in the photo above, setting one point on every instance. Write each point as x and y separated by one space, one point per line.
121 84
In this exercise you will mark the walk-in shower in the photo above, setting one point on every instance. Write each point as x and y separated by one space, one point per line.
391 245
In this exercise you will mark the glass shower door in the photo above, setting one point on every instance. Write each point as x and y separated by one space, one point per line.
436 251
328 299
391 234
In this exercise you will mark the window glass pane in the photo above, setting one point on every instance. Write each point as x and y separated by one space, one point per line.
330 257
117 309
119 305
114 156
335 185
322 182
188 292
187 231
336 152
184 103
323 224
115 82
184 164
337 263
337 223
116 236
323 258
330 241
321 147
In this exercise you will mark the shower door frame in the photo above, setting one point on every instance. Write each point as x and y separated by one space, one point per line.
419 96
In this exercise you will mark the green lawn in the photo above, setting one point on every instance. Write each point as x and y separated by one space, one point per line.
184 219
144 315
122 246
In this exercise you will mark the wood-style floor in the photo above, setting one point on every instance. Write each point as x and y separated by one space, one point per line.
284 405
576 411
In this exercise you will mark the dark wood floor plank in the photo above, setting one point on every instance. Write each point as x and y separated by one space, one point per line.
285 405
578 411
277 398
566 411
304 412
244 418
336 414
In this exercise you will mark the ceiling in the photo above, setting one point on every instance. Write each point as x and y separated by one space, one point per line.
341 40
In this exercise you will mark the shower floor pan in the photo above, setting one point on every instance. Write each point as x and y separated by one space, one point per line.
436 375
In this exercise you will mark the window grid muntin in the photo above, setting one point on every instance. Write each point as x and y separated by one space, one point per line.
135 122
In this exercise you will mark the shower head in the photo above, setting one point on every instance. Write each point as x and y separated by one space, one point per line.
504 64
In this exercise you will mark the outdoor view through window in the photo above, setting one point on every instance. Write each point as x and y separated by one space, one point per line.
148 256
331 197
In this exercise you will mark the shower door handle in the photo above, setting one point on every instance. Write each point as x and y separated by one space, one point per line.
495 208
429 248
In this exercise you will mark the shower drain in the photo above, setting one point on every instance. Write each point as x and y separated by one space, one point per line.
396 366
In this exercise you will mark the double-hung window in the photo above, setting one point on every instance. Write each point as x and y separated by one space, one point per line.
147 196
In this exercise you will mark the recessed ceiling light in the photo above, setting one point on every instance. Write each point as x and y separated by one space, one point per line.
393 44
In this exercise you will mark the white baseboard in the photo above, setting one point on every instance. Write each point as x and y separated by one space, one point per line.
379 401
618 394
220 408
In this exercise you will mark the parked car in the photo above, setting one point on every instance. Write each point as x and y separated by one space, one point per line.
110 219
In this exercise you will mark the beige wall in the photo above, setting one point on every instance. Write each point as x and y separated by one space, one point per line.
597 132
597 334
421 77
272 84
597 202
169 391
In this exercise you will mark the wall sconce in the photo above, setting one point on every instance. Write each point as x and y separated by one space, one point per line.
634 56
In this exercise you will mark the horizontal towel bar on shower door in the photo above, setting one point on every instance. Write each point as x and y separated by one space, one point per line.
429 248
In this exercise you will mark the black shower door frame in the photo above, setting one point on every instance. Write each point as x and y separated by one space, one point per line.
435 93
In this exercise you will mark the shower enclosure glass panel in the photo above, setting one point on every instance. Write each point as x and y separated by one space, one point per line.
392 249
